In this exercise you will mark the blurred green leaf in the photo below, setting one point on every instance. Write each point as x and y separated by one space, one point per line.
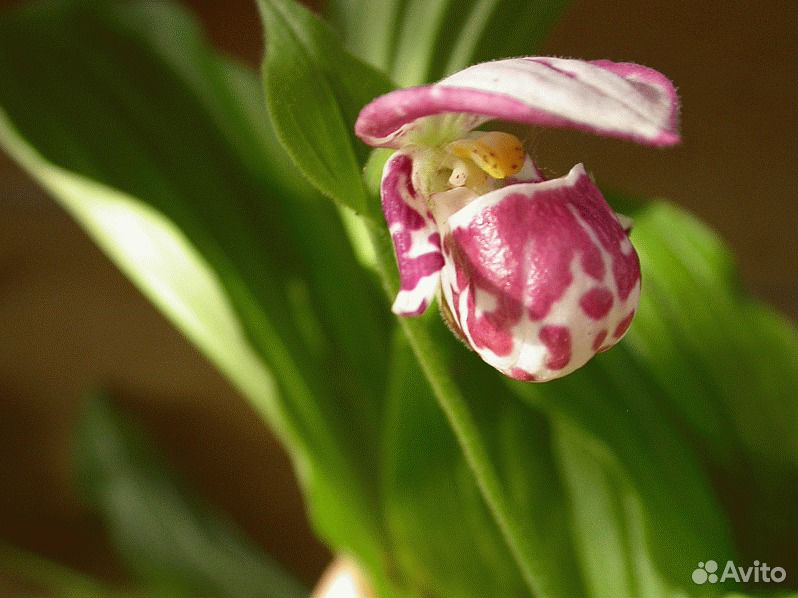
608 525
369 30
162 151
727 365
51 578
314 93
174 543
685 327
624 419
418 41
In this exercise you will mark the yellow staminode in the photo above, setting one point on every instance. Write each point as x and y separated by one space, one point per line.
499 154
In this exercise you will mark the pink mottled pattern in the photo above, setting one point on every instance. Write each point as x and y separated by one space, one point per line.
415 237
623 100
540 276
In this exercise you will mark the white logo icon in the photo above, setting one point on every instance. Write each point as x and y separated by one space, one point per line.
706 572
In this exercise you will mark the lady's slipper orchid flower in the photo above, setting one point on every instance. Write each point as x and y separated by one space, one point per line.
536 275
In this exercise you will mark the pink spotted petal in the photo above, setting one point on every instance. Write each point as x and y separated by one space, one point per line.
415 237
622 100
540 276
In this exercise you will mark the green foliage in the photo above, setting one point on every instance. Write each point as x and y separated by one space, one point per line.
418 41
51 578
162 151
314 93
438 475
171 541
446 537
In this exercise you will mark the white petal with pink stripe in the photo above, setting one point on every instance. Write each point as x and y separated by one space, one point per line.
415 237
616 99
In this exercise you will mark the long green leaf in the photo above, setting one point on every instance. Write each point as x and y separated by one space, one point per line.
162 151
433 504
174 543
738 356
606 522
51 578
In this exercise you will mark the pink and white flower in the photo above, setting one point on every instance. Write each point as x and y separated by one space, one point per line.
536 275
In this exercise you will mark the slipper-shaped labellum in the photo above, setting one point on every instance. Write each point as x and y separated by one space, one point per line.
536 275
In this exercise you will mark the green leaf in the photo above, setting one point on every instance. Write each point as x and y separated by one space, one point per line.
659 499
174 543
753 355
418 41
51 578
491 31
163 153
370 30
315 91
739 357
606 521
444 537
614 403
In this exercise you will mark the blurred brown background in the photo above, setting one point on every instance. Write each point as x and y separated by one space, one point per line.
69 320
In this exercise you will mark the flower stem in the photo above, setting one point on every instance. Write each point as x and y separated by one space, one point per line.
458 413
